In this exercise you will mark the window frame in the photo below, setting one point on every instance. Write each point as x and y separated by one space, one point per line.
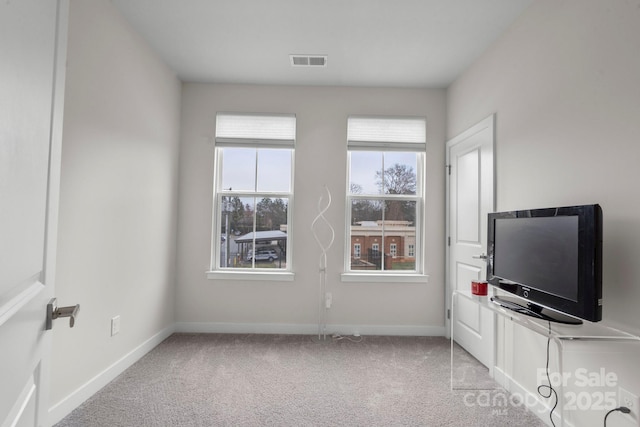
381 145
216 270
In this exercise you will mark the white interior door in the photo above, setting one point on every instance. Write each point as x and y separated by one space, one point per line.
470 197
32 51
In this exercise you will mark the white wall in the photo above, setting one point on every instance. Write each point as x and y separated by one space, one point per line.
118 213
322 113
564 84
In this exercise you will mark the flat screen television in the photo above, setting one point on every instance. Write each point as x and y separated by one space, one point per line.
550 260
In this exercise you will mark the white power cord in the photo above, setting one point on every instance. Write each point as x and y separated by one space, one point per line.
355 338
323 301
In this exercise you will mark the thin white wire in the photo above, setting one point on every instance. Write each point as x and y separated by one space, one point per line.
322 308
338 337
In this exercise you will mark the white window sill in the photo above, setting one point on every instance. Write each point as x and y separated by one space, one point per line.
279 276
384 278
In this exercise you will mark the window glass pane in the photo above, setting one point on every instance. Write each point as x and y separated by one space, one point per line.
274 170
400 211
242 212
366 231
271 214
400 173
400 234
236 227
365 171
238 169
365 210
271 234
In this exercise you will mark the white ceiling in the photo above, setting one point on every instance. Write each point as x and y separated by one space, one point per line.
392 43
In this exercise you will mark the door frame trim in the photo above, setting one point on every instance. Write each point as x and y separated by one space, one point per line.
58 90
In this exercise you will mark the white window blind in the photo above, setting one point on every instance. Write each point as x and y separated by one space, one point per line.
387 133
264 130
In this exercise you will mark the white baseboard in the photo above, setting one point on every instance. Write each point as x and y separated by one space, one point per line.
63 408
307 329
531 399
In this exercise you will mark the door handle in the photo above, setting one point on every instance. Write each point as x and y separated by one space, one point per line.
53 312
481 256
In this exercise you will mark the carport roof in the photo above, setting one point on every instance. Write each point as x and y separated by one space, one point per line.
262 236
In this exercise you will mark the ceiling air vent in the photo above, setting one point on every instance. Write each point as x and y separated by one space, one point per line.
308 60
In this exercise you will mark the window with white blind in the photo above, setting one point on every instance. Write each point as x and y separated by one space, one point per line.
385 194
253 193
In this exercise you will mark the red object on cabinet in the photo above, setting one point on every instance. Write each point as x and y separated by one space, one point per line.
479 288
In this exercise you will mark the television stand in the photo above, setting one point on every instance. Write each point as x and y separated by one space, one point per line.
563 335
533 310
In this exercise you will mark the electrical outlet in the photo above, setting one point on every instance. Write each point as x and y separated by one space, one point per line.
328 299
115 325
630 400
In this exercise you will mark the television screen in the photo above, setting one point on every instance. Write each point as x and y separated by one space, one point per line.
551 259
541 252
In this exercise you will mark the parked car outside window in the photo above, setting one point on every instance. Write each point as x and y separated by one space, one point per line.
263 255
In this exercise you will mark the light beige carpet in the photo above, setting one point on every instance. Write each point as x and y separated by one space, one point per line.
290 380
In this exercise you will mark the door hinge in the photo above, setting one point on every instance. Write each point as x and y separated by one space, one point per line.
448 169
449 241
448 314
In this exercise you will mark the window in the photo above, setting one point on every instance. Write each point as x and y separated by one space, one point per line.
385 195
356 250
253 186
